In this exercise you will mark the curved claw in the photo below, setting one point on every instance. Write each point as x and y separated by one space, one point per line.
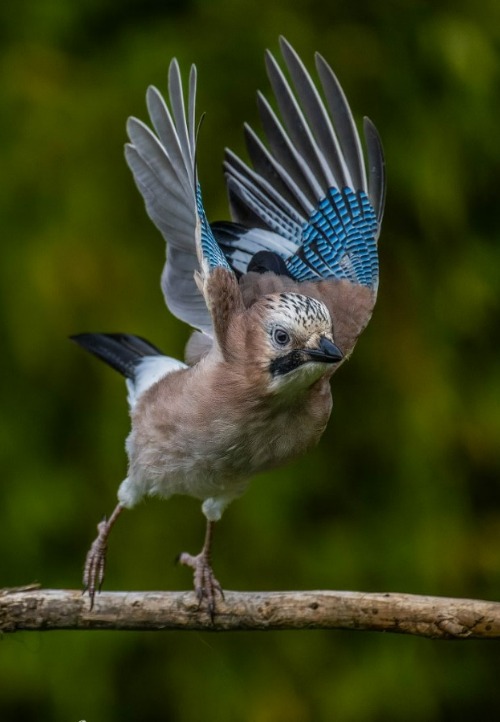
206 586
95 561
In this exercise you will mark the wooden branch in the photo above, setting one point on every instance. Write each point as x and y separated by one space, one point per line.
33 609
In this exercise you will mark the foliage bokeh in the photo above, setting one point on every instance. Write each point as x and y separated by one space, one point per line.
402 493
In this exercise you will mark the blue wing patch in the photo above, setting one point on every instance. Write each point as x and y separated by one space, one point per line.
338 241
209 247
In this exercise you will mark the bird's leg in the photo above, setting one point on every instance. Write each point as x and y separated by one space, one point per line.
95 561
206 585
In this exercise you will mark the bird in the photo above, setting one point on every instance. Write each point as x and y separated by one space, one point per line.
276 297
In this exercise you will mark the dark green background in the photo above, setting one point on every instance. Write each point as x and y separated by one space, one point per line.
402 493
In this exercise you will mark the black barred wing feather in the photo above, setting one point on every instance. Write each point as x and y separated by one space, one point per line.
211 253
309 184
338 241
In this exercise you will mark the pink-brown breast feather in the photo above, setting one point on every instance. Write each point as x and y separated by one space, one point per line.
220 416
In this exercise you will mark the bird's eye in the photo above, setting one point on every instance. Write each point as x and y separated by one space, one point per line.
281 336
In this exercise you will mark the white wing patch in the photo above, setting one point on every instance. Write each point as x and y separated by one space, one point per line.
150 370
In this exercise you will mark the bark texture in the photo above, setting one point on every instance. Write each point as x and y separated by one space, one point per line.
33 609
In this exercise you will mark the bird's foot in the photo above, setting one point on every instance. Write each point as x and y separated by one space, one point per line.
95 561
206 586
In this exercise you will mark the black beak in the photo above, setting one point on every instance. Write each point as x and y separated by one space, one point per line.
326 352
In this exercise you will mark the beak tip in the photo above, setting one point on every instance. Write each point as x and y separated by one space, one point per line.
327 352
331 350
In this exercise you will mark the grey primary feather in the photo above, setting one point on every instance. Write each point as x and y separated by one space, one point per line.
376 169
314 109
164 171
301 186
285 153
157 176
259 195
179 112
295 122
165 129
276 172
345 127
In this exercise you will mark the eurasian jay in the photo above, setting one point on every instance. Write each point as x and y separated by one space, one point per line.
278 296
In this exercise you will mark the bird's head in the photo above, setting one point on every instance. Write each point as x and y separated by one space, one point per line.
292 341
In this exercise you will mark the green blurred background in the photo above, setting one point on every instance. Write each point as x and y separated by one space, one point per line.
403 492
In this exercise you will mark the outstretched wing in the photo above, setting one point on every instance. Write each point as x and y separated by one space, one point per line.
163 164
309 185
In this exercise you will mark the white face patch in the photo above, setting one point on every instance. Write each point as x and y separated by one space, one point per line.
297 328
291 384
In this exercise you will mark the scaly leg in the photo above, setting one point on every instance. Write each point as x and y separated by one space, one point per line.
206 585
95 561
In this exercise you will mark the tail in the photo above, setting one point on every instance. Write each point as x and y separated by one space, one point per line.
121 351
